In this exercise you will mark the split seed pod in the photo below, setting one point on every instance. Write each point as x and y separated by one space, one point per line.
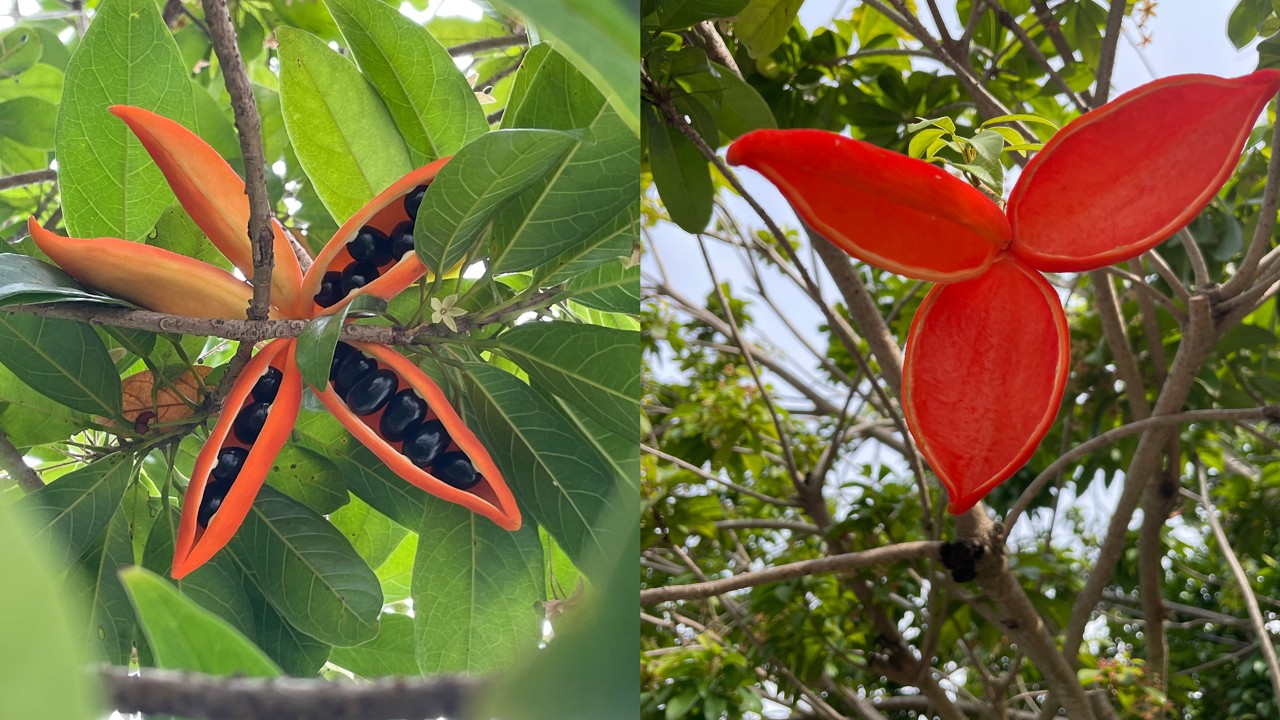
986 358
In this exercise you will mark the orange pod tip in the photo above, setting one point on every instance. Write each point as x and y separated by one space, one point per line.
214 196
892 211
234 462
1119 180
372 253
403 417
985 368
151 277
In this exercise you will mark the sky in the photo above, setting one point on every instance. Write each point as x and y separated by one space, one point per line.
1185 37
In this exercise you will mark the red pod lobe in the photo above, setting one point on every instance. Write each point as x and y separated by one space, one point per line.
985 368
196 544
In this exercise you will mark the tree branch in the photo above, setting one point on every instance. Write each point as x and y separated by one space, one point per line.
1115 17
208 697
11 462
28 178
834 563
494 43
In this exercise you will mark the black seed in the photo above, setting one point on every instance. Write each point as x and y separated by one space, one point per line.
230 460
330 289
402 240
370 245
413 201
423 443
357 275
356 366
214 493
248 424
371 392
340 353
455 468
268 385
405 410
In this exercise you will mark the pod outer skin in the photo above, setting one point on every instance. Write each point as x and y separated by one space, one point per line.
384 212
1119 180
984 372
195 546
884 208
491 498
151 277
214 196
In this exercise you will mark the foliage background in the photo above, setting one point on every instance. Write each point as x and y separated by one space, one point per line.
342 570
725 480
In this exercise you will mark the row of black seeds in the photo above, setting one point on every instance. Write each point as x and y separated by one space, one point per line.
372 250
367 388
246 427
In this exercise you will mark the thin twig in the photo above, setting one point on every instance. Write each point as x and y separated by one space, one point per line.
209 697
494 43
33 177
1006 18
834 563
1107 59
1242 579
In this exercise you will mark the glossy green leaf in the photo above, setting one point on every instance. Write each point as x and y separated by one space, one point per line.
597 180
482 178
308 477
558 479
29 418
25 280
476 591
308 570
616 239
599 37
75 509
110 187
389 654
396 574
677 14
40 81
111 622
63 360
185 636
612 287
595 369
341 130
680 173
42 669
428 96
296 652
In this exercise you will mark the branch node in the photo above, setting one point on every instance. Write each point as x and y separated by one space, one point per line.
961 558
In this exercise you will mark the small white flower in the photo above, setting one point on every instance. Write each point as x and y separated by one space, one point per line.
482 97
443 311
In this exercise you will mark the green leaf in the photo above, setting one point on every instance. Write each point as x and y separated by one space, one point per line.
599 37
476 183
20 48
1242 24
42 669
111 622
595 369
921 141
296 652
396 574
557 477
40 81
29 418
612 287
428 97
476 591
372 481
677 14
25 280
28 121
217 585
308 477
344 137
598 178
741 109
371 533
308 570
63 360
320 337
185 636
680 173
616 239
76 507
763 24
1019 117
389 654
110 187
